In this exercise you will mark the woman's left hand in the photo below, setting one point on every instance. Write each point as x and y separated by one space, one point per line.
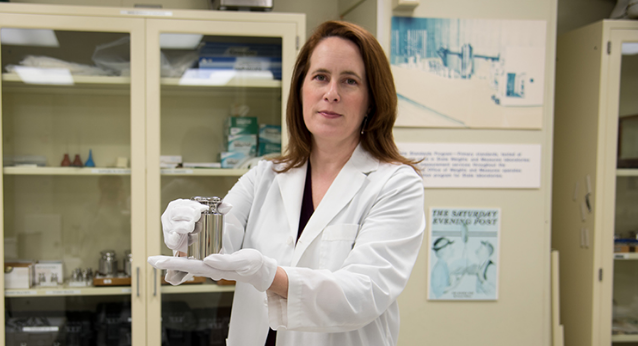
246 265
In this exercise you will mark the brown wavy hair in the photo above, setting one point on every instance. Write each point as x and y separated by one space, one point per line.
377 138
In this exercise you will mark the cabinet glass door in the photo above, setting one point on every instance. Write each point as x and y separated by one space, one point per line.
220 109
70 159
625 287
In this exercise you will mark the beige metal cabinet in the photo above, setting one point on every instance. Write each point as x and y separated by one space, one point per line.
113 82
595 203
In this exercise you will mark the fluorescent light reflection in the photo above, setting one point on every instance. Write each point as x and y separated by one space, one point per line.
630 48
221 77
180 41
29 37
36 75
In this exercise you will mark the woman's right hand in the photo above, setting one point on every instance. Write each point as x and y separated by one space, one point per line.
178 220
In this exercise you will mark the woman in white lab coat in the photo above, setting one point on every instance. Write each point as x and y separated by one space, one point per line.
321 240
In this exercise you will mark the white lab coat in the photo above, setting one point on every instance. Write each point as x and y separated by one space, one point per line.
351 263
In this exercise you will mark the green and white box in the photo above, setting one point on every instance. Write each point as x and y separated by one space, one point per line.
242 126
269 133
233 160
266 148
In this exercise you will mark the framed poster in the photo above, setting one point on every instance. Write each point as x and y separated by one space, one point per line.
464 253
472 73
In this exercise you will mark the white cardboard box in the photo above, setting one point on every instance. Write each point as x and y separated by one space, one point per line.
20 276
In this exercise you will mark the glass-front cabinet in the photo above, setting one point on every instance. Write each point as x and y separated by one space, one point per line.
107 116
220 109
625 285
595 187
73 162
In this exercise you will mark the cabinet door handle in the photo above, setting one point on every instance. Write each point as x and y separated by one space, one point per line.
154 282
138 281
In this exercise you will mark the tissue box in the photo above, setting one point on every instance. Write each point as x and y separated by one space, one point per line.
242 126
269 134
20 276
233 160
52 271
243 143
269 148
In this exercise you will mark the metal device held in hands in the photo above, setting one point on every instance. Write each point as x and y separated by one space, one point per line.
206 239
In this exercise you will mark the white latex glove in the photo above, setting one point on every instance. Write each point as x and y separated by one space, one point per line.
246 265
179 269
179 219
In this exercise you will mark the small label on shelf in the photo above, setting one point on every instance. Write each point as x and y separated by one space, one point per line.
147 13
21 293
40 329
619 256
126 290
111 171
63 292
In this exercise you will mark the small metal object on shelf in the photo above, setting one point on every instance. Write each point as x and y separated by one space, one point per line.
108 263
41 278
81 277
128 262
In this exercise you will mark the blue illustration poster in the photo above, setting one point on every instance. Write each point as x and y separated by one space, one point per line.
469 73
464 253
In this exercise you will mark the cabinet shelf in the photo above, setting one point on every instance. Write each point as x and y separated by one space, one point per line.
237 83
197 288
214 172
15 79
66 290
65 171
14 82
627 172
626 256
624 338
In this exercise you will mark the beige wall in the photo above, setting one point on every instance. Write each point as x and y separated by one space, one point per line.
316 12
573 14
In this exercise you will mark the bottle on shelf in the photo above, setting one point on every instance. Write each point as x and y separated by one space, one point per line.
89 162
66 161
77 162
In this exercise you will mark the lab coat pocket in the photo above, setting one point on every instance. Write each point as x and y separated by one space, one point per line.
336 243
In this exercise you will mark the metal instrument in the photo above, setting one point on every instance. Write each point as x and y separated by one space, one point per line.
108 263
206 239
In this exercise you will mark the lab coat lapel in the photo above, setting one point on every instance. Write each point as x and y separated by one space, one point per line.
291 187
351 179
